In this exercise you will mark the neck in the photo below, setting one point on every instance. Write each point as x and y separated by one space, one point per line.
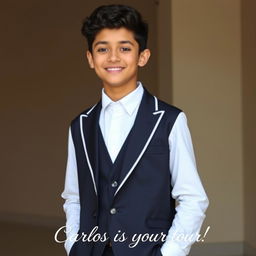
116 93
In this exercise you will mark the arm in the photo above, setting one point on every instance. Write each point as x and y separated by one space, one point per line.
187 191
71 195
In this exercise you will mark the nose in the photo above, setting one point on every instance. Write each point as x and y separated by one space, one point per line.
113 56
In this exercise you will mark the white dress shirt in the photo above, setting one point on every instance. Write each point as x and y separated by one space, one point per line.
117 118
116 121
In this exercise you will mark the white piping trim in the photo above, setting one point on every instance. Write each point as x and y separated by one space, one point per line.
85 150
143 150
89 111
156 103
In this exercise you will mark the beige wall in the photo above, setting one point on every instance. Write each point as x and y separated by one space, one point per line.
164 50
249 118
206 68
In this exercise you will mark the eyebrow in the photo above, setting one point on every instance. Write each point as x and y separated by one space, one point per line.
120 42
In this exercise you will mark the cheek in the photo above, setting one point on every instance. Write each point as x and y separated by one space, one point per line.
132 59
98 60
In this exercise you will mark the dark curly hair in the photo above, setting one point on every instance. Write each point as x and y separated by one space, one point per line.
115 16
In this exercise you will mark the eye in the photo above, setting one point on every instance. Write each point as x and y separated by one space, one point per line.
125 49
102 50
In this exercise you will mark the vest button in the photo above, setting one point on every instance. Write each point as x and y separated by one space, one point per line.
113 210
114 184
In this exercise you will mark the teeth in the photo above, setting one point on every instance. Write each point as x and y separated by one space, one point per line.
114 69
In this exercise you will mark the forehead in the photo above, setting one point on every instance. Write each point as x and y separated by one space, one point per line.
114 35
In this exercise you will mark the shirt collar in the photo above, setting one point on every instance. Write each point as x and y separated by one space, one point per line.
129 102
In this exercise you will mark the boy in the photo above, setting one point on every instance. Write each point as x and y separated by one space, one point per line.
130 156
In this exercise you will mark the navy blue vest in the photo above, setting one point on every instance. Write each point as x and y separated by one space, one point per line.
108 181
132 197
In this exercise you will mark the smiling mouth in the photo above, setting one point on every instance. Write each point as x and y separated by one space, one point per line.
114 69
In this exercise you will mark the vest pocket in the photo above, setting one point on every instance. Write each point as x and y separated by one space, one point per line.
156 149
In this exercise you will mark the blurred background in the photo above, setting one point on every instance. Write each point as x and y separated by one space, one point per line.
203 61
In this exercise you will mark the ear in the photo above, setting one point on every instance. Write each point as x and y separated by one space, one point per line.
90 59
144 57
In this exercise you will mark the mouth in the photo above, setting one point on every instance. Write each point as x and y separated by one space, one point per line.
114 69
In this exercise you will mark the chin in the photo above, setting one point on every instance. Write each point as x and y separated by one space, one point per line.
115 84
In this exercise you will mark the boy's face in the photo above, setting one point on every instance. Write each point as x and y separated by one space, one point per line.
115 58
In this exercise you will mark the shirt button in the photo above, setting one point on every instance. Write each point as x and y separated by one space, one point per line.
113 210
114 184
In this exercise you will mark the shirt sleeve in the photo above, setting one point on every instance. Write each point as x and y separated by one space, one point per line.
187 190
71 195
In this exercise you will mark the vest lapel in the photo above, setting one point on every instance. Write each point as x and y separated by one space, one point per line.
145 125
89 133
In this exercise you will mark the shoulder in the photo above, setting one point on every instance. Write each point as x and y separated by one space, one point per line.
85 112
171 115
171 111
176 120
